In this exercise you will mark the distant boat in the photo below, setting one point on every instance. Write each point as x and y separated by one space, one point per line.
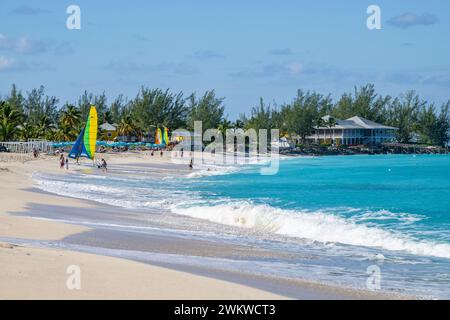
86 142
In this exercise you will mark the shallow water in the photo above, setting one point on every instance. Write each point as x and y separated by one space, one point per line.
341 214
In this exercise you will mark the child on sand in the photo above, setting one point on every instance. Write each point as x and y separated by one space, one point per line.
67 163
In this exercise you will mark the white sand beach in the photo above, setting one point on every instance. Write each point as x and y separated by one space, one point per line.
194 151
29 272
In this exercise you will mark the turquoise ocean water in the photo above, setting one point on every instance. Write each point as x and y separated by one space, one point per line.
349 213
408 195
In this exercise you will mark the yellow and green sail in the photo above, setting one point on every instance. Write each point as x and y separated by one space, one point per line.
162 137
87 140
166 136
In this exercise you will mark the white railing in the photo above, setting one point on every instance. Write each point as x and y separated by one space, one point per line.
27 147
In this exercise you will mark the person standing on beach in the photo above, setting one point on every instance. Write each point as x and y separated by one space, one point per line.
191 164
67 163
104 166
61 162
162 153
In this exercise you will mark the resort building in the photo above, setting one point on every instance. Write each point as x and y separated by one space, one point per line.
109 132
353 131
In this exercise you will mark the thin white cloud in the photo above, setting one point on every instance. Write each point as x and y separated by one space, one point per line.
407 20
22 45
424 77
6 63
29 11
296 68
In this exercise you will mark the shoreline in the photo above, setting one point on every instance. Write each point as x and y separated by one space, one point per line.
31 272
245 286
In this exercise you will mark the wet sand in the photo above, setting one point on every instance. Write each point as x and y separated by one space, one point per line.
128 256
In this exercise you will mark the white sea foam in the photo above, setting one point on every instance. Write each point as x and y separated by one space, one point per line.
208 167
317 226
116 195
386 215
211 170
231 163
323 226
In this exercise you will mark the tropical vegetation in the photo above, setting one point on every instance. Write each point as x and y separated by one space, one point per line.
36 115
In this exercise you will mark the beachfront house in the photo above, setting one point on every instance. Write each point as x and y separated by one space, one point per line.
109 131
353 131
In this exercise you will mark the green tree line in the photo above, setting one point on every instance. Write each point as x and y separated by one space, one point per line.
36 115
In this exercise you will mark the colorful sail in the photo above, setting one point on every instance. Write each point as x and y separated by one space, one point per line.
166 136
159 137
87 140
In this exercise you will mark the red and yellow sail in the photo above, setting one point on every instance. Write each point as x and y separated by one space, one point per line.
158 136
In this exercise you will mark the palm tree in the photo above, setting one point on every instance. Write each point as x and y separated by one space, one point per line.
327 122
64 133
71 117
320 124
330 123
108 117
127 126
224 125
44 127
26 131
239 124
9 120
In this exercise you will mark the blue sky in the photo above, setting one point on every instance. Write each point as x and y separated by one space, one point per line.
243 49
